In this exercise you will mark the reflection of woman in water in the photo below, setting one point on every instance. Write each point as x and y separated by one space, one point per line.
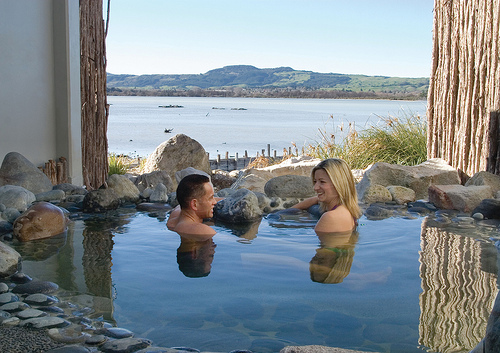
195 257
333 259
336 194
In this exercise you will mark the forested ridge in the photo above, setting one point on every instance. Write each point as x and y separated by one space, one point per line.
249 81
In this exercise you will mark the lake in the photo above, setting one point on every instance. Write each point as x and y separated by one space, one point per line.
137 125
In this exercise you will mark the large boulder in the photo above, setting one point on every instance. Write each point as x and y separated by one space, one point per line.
376 193
458 197
401 195
17 170
418 178
240 207
40 221
9 260
176 154
150 180
251 182
16 197
297 186
485 178
101 200
124 188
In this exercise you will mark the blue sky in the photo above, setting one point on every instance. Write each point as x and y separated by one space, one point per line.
370 37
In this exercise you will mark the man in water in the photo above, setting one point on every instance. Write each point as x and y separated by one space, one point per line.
195 195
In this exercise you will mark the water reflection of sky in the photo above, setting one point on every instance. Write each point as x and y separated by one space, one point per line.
405 284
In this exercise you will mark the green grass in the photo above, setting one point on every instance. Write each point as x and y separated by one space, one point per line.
396 140
117 164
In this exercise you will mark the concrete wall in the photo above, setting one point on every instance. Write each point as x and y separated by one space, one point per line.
40 82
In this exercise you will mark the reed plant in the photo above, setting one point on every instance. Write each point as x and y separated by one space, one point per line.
118 164
395 140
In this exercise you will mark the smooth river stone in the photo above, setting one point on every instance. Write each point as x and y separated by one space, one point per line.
125 345
14 306
30 313
34 287
41 299
45 322
8 298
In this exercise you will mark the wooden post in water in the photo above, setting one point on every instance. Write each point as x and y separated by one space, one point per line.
274 154
269 150
246 154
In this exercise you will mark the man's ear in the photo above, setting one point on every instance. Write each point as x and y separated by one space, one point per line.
193 204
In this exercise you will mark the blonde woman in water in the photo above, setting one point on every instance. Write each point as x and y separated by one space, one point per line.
336 194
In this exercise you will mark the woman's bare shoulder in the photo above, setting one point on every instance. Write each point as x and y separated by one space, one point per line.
338 220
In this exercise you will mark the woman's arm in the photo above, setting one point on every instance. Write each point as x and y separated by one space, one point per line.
304 205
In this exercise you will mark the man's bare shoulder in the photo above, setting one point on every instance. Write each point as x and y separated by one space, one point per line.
194 229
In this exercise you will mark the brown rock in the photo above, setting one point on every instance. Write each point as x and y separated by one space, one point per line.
42 220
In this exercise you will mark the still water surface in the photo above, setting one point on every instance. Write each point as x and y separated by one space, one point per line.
398 285
136 124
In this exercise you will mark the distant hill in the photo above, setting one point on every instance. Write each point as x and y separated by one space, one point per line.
246 80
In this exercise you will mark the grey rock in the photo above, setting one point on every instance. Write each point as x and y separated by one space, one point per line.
52 195
9 260
125 345
150 180
377 212
485 178
376 193
14 307
159 194
30 313
75 198
8 298
241 207
418 178
96 339
225 192
45 322
401 195
11 214
20 277
68 335
124 188
33 287
458 197
101 200
489 208
17 170
4 288
70 189
16 197
176 154
70 349
6 227
4 315
283 186
41 299
115 332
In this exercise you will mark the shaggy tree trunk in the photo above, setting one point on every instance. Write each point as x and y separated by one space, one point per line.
464 91
93 94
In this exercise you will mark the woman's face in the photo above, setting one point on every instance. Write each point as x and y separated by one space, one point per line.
324 188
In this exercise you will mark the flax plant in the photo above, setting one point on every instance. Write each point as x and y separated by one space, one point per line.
394 140
118 164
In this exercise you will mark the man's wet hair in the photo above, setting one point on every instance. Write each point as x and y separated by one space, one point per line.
191 187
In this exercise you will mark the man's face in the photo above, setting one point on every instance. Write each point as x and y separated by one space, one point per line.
207 202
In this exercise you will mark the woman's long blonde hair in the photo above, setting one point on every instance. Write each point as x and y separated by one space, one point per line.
341 176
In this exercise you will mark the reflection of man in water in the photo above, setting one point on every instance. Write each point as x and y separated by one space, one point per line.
195 195
333 259
195 257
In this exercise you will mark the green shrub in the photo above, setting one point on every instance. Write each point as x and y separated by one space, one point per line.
398 141
118 164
